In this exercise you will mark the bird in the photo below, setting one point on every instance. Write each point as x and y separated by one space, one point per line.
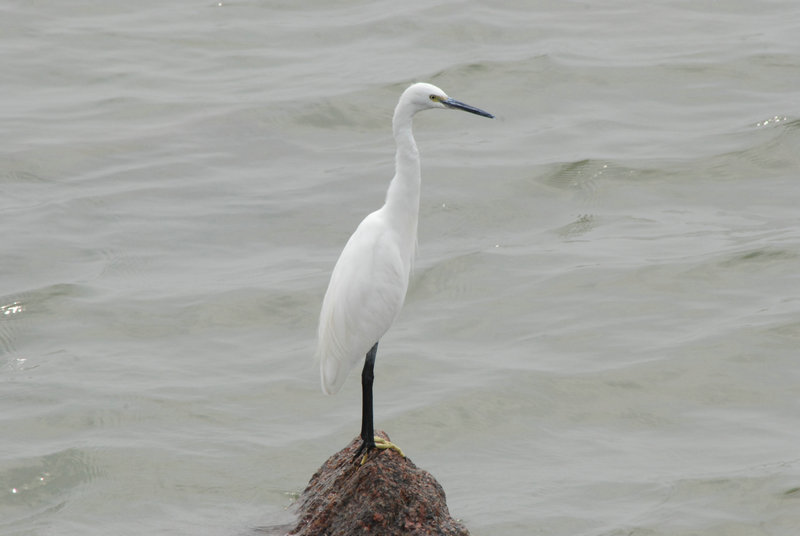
369 281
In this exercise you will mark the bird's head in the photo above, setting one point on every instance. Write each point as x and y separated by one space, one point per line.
423 96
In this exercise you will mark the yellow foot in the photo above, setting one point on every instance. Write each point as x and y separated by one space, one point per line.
383 444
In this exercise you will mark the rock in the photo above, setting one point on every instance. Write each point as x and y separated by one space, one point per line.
386 496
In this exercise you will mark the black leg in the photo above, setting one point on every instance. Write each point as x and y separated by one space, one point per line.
367 429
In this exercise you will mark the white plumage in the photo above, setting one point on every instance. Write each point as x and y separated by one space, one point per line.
369 282
365 295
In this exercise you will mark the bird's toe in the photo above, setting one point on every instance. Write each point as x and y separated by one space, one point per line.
383 444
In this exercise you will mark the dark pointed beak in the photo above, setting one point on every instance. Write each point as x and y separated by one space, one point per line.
458 105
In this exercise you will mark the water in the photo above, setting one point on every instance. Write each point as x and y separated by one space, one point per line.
601 334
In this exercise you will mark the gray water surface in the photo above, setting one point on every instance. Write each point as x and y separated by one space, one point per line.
601 335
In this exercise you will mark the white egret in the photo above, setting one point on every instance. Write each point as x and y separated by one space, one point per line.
369 281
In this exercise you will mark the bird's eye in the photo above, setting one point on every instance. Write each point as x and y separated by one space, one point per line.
433 97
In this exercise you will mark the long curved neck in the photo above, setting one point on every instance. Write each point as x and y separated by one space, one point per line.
402 199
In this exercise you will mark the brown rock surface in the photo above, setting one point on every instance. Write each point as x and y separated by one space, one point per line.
386 496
